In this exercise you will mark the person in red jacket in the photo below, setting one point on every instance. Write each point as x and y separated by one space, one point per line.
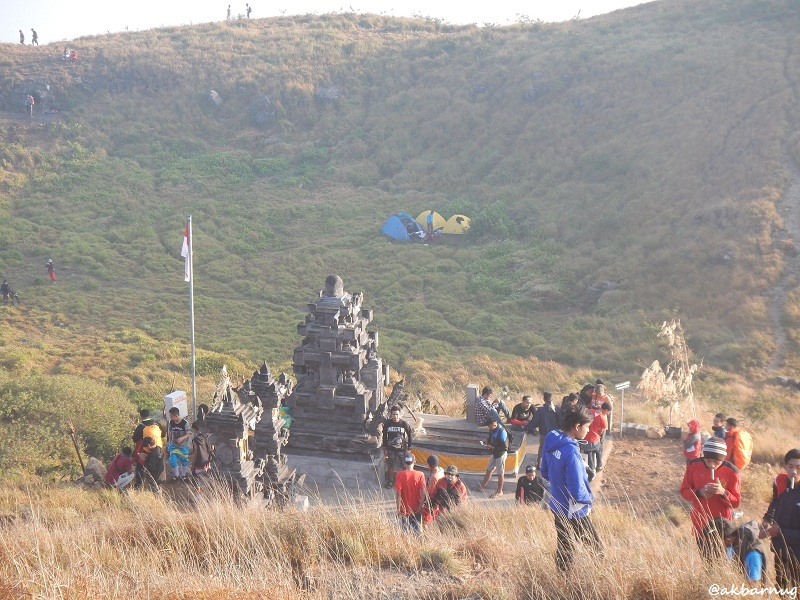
739 443
693 444
712 485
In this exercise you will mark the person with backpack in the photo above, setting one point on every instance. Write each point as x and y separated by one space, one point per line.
34 37
51 266
121 464
150 464
202 452
570 499
739 443
178 433
782 522
499 442
148 428
741 544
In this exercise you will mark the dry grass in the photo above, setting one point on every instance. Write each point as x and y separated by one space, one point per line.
141 545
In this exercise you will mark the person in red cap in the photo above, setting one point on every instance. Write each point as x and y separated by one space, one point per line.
712 485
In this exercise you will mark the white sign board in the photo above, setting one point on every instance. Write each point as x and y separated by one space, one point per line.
178 400
623 386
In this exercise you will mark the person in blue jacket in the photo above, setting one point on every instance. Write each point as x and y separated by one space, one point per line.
569 497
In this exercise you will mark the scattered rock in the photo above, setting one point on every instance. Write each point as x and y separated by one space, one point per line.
94 469
654 433
331 94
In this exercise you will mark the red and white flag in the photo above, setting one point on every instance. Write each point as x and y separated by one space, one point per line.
185 253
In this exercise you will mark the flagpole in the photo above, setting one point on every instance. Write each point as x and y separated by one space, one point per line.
191 317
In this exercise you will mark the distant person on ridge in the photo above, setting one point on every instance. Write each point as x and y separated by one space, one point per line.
5 289
21 37
34 37
29 103
248 10
229 13
66 53
51 266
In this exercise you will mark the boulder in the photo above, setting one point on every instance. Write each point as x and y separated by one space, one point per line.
654 433
94 468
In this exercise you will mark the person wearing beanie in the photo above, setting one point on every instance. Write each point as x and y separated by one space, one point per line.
712 485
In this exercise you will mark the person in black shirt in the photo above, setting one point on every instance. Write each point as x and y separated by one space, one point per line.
523 412
529 488
396 442
782 522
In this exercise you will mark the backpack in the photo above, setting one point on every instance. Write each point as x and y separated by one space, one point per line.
154 431
509 437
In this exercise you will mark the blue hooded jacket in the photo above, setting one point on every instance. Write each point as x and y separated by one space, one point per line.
564 469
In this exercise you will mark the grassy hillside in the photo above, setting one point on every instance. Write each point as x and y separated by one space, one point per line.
617 169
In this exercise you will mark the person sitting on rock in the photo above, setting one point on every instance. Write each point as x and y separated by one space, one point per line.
522 413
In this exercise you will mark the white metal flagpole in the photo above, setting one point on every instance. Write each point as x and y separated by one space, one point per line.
190 261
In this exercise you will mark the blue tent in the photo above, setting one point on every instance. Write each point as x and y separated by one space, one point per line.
402 227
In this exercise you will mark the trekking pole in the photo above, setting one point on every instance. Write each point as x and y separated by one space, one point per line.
75 443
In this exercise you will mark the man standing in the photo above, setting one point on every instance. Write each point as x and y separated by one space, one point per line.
430 223
570 498
498 442
229 12
248 10
179 433
396 442
782 522
21 37
529 488
593 448
409 494
546 418
739 443
34 37
718 426
712 485
148 428
5 289
51 266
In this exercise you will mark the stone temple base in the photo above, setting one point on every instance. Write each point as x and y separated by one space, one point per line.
353 473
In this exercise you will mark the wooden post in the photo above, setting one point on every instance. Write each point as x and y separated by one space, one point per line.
77 449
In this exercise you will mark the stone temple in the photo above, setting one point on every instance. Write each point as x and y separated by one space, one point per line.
340 381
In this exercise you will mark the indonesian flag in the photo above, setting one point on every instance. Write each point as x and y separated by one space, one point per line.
185 253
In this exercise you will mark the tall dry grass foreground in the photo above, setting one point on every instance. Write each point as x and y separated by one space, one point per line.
64 542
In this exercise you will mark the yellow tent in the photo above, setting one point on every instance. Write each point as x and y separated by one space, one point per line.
438 220
457 224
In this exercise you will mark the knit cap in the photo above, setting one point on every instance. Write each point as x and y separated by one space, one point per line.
715 448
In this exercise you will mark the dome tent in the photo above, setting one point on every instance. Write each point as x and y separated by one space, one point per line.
403 228
456 225
438 220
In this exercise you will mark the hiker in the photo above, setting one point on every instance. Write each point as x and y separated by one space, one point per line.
51 266
397 439
741 544
585 395
202 452
718 426
484 411
429 221
599 395
568 403
66 53
522 414
178 434
782 522
546 418
498 442
739 443
499 403
21 37
30 101
529 488
150 464
450 491
594 445
148 428
228 18
120 465
73 55
712 485
248 10
5 289
409 494
34 37
437 473
570 498
693 443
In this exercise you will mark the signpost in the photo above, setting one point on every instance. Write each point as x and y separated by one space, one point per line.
621 387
